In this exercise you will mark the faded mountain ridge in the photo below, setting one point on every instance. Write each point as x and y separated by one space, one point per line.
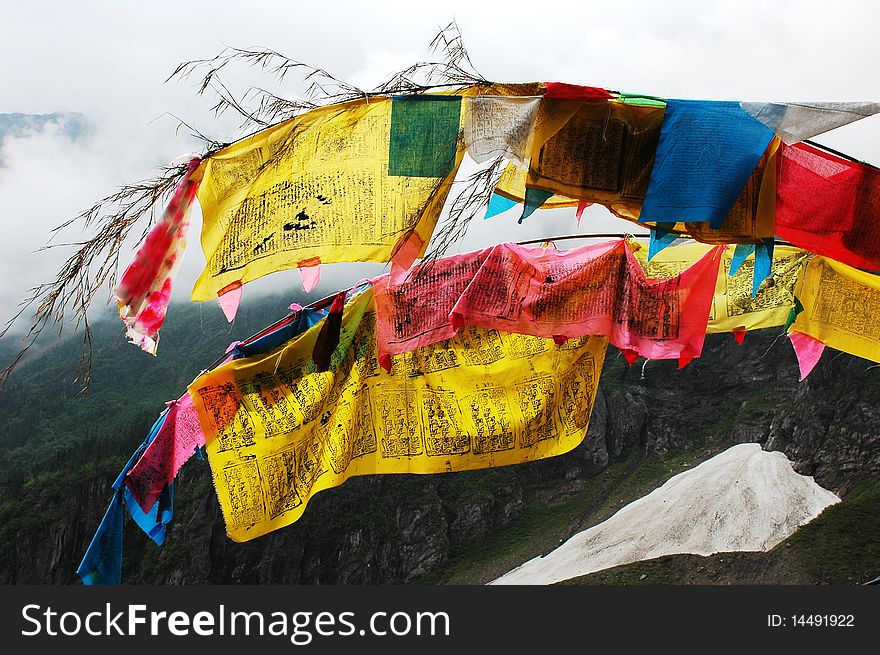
59 453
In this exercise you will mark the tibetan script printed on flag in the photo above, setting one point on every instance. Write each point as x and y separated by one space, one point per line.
341 183
277 431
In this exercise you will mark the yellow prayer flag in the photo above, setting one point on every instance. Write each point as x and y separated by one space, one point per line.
552 115
733 305
319 185
840 308
596 151
512 185
277 431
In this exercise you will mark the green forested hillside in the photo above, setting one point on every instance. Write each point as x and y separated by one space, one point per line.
44 413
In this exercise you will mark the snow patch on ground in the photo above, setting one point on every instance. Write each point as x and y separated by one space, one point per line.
744 499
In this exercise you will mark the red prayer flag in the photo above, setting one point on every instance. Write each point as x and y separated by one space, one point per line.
575 92
829 205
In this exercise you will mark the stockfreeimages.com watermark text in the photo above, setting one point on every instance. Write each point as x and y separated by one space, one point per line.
300 627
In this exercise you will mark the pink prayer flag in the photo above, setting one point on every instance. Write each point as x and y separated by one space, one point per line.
177 440
405 255
310 273
416 313
229 298
593 290
582 205
598 289
144 290
808 350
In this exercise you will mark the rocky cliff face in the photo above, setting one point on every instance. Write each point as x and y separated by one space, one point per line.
402 529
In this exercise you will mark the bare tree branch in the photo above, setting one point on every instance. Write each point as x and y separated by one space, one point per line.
95 261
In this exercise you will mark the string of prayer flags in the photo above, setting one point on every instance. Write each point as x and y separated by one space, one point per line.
840 308
346 182
798 121
808 351
278 432
829 205
144 291
492 357
706 153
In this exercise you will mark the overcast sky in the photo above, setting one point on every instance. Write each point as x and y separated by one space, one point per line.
108 61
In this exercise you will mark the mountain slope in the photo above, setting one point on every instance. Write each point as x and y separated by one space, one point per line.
59 453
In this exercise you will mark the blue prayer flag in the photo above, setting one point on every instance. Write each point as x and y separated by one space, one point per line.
763 263
706 154
740 254
102 563
498 204
661 236
268 342
533 200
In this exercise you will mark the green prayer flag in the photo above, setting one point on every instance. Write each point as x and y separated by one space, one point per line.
793 314
424 135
